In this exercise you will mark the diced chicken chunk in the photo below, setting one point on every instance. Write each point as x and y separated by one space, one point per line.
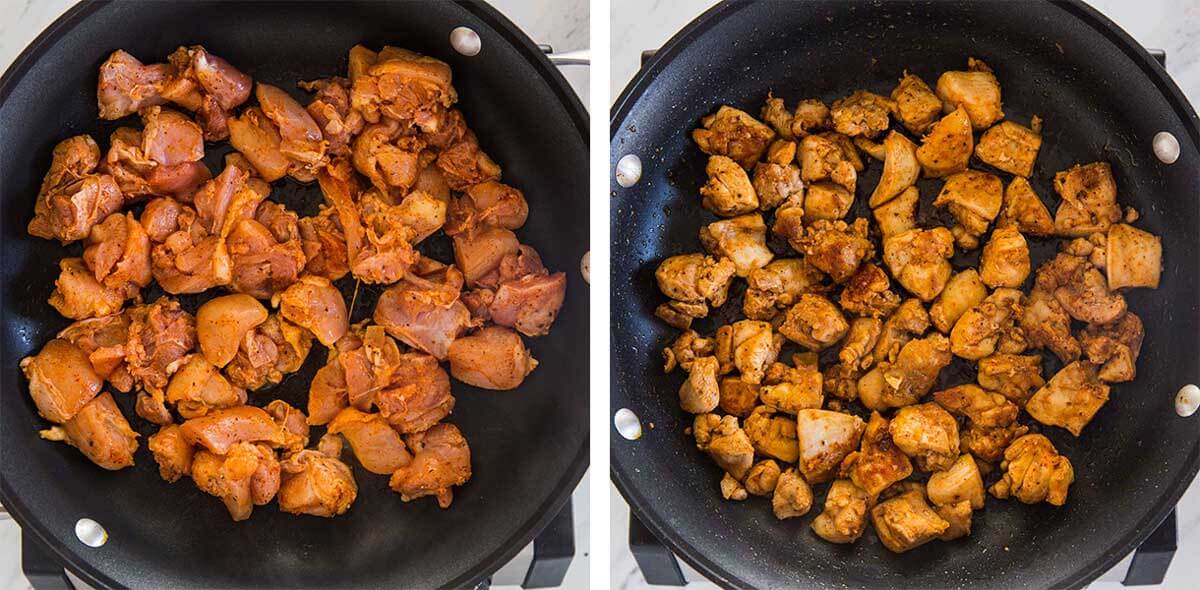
963 291
1046 325
946 149
1134 257
899 214
1114 348
1005 259
1034 472
735 134
728 191
315 304
984 408
317 485
974 199
778 285
61 380
814 322
811 115
906 522
979 331
919 259
825 438
100 431
835 247
823 159
845 516
1011 147
737 397
791 389
928 434
976 90
1070 398
1089 200
862 113
1023 208
1015 377
495 357
793 497
773 435
908 321
725 442
1080 289
172 453
879 463
376 445
917 107
900 169
441 460
742 240
868 293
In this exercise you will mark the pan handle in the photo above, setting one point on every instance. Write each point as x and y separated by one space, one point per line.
1153 556
579 57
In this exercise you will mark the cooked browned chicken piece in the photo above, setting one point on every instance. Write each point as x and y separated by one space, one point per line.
78 295
103 340
775 183
425 314
822 200
315 304
975 90
792 496
928 434
988 444
268 352
919 259
1070 398
835 247
984 408
1023 208
814 323
791 389
908 321
917 107
862 113
220 430
1046 325
100 432
900 169
728 191
742 240
222 322
822 158
974 199
172 453
737 397
1005 258
1134 257
777 115
1034 472
909 377
316 484
906 522
878 463
118 253
762 478
492 358
845 516
963 291
265 253
811 115
61 380
1089 200
441 460
825 438
247 475
778 285
324 244
376 445
689 346
160 337
868 293
1011 147
947 148
1015 377
732 489
980 330
771 434
700 393
899 214
1114 347
755 347
735 134
859 347
198 387
725 442
72 199
1080 288
958 516
696 279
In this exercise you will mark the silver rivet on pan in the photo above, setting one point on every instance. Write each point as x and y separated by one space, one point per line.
1187 401
627 424
465 41
1166 147
629 170
90 532
585 266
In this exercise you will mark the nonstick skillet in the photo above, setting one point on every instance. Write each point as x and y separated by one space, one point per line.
1102 97
529 446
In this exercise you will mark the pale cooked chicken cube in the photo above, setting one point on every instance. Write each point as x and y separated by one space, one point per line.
862 113
1070 398
845 516
774 183
754 346
1089 200
947 148
958 516
1005 258
983 407
1011 147
907 322
1025 209
725 442
826 200
963 291
878 463
811 116
689 346
778 285
900 169
917 107
763 478
728 191
772 435
1014 376
732 489
822 158
928 434
868 293
919 259
1114 347
700 393
906 522
737 397
1046 325
1080 288
899 214
975 90
835 247
960 482
825 438
1034 472
793 497
1133 257
859 347
848 150
791 389
777 115
974 199
814 322
742 240
733 133
979 331
695 278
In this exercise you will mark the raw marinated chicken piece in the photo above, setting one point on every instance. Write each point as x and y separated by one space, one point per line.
418 395
401 85
899 214
375 444
1046 325
378 248
292 422
900 169
771 434
220 431
835 247
492 358
118 253
699 393
479 255
777 115
331 110
1005 259
100 432
316 484
946 150
369 359
1134 257
315 304
103 340
324 244
208 85
963 291
127 85
988 444
330 445
327 393
862 113
984 408
464 163
980 330
1034 472
1070 399
1089 200
904 381
858 348
792 497
822 158
172 453
268 352
814 323
222 323
160 337
185 257
169 138
906 522
1023 208
487 204
974 199
78 295
256 138
425 314
825 438
1080 288
139 175
791 389
868 293
389 157
811 115
917 107
265 253
778 285
878 463
247 475
72 198
300 139
61 380
908 321
735 134
1011 147
520 293
762 478
742 240
728 191
845 516
198 387
1114 347
975 90
928 434
919 260
441 460
725 442
1015 377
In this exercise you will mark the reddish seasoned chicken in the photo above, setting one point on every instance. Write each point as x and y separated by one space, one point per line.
487 204
1015 377
976 90
292 422
72 198
778 285
1114 347
845 515
894 384
376 445
103 339
917 107
300 139
521 293
743 240
1133 257
974 199
928 434
330 109
963 291
138 175
160 337
185 257
814 322
1046 324
378 249
78 295
222 322
418 395
246 476
1070 398
221 430
906 522
268 352
100 432
208 85
425 314
835 247
390 157
172 453
198 387
401 85
878 463
127 85
464 164
946 150
1080 288
441 460
919 259
61 380
316 484
315 304
984 408
981 330
1089 200
324 244
265 253
492 358
327 394
118 253
1011 147
728 191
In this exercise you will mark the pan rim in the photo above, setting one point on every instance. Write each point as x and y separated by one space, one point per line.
636 88
562 490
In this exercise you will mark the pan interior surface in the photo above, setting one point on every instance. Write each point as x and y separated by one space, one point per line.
529 446
1100 100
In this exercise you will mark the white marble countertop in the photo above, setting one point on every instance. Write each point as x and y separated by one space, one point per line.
563 24
1171 25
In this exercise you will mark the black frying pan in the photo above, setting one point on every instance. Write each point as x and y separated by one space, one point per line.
1102 97
529 446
